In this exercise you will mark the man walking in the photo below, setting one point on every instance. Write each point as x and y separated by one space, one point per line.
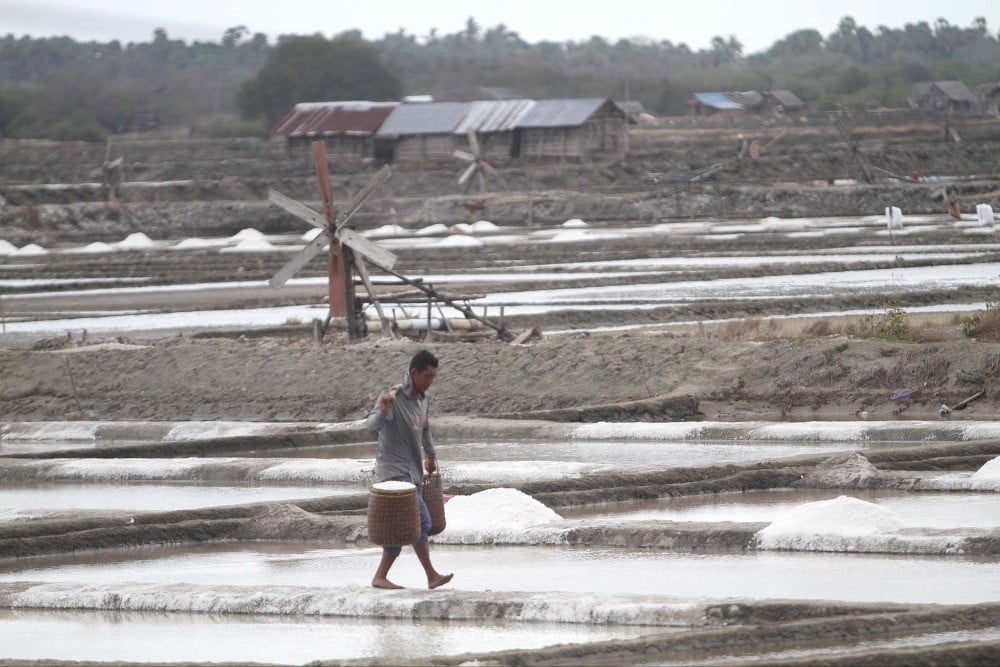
404 449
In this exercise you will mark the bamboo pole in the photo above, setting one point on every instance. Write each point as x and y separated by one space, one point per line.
501 330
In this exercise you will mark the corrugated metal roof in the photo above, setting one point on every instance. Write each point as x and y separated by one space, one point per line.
324 118
424 118
718 101
786 98
494 115
561 113
748 98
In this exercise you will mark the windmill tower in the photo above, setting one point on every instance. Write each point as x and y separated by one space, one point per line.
477 165
348 250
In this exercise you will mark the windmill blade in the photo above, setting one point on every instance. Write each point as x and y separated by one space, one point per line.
375 253
364 195
297 209
488 168
467 174
464 155
473 143
312 249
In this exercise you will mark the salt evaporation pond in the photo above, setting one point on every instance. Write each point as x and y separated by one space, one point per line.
612 452
22 500
247 638
846 648
759 575
923 509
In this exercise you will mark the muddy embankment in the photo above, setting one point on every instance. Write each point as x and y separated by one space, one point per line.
175 189
39 214
268 380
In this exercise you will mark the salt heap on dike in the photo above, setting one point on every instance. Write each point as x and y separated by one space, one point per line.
990 470
498 516
841 524
136 240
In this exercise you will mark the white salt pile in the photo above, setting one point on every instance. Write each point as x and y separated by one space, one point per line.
840 524
457 241
136 240
247 233
7 248
31 249
387 230
432 229
496 516
574 222
95 247
990 470
483 226
250 244
462 228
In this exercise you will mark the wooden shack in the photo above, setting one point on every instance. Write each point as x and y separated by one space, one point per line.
943 97
571 129
423 131
505 130
988 96
781 102
346 128
495 123
711 104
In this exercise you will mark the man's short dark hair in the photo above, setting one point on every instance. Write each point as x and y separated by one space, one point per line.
422 359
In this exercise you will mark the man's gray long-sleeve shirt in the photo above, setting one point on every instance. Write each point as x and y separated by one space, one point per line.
404 432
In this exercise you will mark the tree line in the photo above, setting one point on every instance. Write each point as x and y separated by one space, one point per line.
63 89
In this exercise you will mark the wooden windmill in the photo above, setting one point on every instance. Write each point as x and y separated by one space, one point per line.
477 165
347 249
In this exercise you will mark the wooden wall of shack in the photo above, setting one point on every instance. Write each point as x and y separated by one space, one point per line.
424 147
494 147
601 135
341 148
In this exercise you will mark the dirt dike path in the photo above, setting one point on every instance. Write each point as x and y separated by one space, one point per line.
185 379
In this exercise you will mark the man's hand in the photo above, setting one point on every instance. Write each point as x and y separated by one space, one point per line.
430 463
386 399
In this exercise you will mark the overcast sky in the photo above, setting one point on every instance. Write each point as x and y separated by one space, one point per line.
757 24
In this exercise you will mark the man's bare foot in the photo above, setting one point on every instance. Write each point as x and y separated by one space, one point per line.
440 581
385 584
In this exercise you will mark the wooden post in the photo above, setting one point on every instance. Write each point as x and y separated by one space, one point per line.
387 329
340 258
430 304
444 320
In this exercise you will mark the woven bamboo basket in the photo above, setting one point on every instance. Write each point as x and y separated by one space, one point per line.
393 514
434 500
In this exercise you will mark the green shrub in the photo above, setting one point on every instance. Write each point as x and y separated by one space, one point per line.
893 325
81 126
